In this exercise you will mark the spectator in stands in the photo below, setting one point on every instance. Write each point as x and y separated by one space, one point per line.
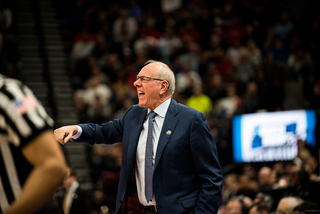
214 49
303 151
266 199
145 44
280 52
234 30
94 100
215 88
283 28
189 33
199 100
110 65
9 50
311 166
244 71
251 101
314 100
5 17
274 179
187 80
76 200
230 186
225 66
232 102
96 18
247 187
170 6
264 177
98 110
239 205
96 73
287 204
192 56
169 44
81 49
259 208
250 171
135 10
270 69
306 207
148 24
124 26
218 126
254 54
102 45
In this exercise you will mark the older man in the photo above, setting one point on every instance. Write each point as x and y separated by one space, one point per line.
287 204
172 155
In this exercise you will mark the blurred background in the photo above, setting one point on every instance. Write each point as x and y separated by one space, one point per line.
230 57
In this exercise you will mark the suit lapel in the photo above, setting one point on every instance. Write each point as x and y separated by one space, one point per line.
168 128
137 123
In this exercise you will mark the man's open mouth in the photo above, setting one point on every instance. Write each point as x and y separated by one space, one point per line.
140 94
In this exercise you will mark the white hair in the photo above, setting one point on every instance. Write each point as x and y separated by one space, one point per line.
165 73
292 202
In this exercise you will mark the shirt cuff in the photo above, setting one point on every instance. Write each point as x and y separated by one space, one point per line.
79 132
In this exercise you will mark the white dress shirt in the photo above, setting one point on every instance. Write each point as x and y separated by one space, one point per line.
161 111
69 196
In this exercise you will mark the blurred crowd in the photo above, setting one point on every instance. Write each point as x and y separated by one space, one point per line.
9 56
229 57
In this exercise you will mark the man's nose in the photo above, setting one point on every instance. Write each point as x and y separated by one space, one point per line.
137 83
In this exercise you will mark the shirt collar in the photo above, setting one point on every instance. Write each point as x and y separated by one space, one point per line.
162 109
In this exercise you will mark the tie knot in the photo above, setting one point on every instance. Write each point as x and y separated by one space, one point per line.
152 115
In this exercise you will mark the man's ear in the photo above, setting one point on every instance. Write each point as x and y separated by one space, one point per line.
163 87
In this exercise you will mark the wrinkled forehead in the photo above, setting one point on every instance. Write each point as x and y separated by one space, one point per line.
150 70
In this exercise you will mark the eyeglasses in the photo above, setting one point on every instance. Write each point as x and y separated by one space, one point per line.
147 79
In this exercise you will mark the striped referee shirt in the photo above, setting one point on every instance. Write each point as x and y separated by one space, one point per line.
22 118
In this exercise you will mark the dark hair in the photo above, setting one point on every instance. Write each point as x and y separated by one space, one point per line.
261 206
306 205
266 198
244 207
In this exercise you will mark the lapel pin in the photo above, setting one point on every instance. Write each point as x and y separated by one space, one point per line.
168 132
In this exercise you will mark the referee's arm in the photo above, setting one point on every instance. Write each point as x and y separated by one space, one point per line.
50 169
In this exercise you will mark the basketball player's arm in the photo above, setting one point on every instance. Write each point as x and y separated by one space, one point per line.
49 171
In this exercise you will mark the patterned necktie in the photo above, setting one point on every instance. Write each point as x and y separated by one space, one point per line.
148 158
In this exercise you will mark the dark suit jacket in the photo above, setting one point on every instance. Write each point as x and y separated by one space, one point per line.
187 174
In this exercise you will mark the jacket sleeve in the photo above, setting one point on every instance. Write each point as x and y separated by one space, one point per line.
105 133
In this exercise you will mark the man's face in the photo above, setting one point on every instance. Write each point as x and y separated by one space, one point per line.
254 210
282 207
234 207
149 90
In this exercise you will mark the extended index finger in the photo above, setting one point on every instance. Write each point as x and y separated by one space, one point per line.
59 135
